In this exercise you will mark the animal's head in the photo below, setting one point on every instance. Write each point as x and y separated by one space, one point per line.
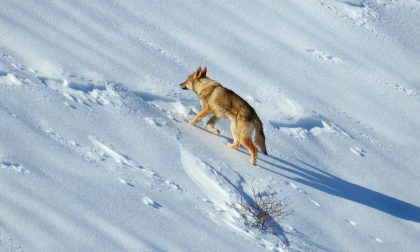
193 78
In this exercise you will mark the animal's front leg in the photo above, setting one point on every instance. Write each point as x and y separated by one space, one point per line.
200 115
210 125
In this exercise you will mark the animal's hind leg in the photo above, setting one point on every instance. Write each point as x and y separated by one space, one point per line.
247 142
235 144
210 125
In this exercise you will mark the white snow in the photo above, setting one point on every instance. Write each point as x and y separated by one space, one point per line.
9 79
97 153
201 174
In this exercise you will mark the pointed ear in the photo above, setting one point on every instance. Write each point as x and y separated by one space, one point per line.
203 73
197 72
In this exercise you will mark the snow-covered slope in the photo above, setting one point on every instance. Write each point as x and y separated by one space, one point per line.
96 152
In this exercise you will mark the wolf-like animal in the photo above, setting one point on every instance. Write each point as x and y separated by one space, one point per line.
224 103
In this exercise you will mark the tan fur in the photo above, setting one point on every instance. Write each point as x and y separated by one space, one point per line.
224 103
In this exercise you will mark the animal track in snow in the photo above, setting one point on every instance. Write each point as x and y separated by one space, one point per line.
126 182
117 157
156 122
162 51
102 154
314 202
206 200
322 56
149 202
8 244
376 239
358 151
85 92
367 138
292 185
306 126
110 153
174 109
351 222
12 74
9 79
293 118
12 166
353 10
402 89
164 126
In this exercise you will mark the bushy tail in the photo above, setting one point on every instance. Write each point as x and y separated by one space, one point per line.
259 135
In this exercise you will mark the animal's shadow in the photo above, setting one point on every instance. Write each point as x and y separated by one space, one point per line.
319 179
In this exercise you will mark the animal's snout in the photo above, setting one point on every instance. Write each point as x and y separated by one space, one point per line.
183 86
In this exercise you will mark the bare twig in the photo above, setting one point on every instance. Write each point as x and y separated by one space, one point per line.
264 208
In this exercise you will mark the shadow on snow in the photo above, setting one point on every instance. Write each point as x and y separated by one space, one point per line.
317 178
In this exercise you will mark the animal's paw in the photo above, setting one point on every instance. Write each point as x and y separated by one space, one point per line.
253 162
214 131
234 145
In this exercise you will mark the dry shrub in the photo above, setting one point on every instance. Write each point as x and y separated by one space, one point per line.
265 207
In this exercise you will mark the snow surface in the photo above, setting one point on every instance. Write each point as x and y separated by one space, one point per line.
96 152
